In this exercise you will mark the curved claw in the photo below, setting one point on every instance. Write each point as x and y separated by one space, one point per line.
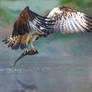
31 52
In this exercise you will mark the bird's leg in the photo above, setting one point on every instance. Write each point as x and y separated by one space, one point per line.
34 37
26 48
31 43
27 42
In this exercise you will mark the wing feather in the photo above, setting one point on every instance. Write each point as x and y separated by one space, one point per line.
27 23
71 21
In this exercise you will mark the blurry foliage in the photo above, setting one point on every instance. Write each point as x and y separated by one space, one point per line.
6 15
9 16
82 5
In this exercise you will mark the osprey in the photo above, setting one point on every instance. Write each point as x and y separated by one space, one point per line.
30 26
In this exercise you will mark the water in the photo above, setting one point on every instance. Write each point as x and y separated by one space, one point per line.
64 63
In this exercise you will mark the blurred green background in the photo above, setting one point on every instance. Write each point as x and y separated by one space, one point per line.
10 9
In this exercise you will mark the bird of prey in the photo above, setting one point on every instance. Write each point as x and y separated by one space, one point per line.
30 26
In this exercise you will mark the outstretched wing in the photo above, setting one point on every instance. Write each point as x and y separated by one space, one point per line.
69 21
27 23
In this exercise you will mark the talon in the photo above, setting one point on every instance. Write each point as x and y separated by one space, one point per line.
32 52
26 50
33 49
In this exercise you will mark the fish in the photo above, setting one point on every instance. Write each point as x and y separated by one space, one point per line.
30 52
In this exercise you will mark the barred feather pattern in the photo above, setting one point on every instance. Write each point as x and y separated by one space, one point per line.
70 21
16 41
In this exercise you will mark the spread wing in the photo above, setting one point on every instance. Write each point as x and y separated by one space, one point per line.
27 23
70 21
